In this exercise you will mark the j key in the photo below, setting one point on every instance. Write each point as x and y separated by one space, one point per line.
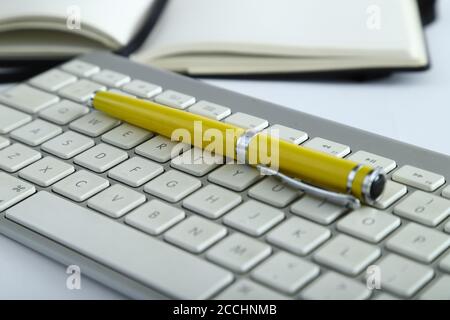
36 132
376 161
81 185
327 146
80 68
318 210
197 162
247 121
235 176
63 112
68 145
418 178
172 186
142 89
100 158
248 290
13 190
210 110
111 78
135 171
161 149
439 290
126 136
175 99
273 192
81 90
27 99
3 142
392 192
52 80
288 134
94 124
12 119
17 156
46 171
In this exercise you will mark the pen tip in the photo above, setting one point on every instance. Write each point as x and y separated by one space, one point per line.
377 187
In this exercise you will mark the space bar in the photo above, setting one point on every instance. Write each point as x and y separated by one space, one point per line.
158 265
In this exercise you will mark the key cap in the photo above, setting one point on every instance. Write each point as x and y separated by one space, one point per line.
285 272
135 171
161 149
142 89
403 277
333 286
446 192
210 110
52 80
247 121
126 136
113 90
393 191
212 201
175 99
27 99
154 217
369 224
36 132
3 142
418 242
111 78
197 162
81 90
373 160
327 146
288 134
298 236
253 218
116 201
347 254
418 178
445 263
94 124
12 119
424 208
238 252
80 186
13 190
439 290
67 145
160 266
63 112
273 192
234 176
245 289
195 234
46 171
80 68
100 158
172 186
318 210
17 156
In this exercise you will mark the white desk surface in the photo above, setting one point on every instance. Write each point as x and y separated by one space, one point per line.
411 107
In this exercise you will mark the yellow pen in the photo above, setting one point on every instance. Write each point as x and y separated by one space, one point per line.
338 180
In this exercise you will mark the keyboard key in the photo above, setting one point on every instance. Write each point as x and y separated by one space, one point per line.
3 142
13 190
418 178
197 162
418 242
286 133
446 192
80 68
210 110
369 224
67 145
212 201
135 171
126 136
160 266
424 208
172 186
272 191
439 290
327 146
154 217
161 149
239 253
17 156
81 90
100 158
27 99
445 263
36 132
318 210
94 124
235 176
195 234
175 99
116 201
63 112
298 236
46 171
285 272
81 185
142 89
113 90
393 191
347 254
253 218
111 78
245 289
246 121
52 80
373 160
403 277
12 119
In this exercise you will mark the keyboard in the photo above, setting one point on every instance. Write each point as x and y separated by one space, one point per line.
86 189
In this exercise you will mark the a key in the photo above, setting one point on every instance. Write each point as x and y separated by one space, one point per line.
418 178
235 176
403 277
161 149
247 121
210 110
273 192
195 234
12 119
36 132
318 210
94 124
245 289
347 255
238 252
292 135
197 162
369 224
160 266
81 90
446 192
327 146
63 112
445 263
27 99
418 242
373 160
17 156
253 218
46 171
52 80
172 186
439 290
100 158
116 201
13 190
175 99
80 68
285 272
424 208
126 136
154 217
68 145
392 192
212 201
142 89
80 186
3 142
135 171
111 78
298 236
